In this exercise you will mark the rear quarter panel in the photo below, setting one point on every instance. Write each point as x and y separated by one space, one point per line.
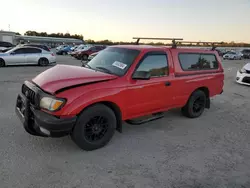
48 56
189 81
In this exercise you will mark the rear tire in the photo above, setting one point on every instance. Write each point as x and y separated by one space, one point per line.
196 105
2 63
64 53
43 62
94 128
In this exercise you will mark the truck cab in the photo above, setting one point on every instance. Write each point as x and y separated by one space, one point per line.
122 83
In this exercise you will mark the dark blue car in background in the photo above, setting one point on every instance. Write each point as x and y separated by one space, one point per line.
64 51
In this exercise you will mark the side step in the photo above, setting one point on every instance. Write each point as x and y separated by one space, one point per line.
151 118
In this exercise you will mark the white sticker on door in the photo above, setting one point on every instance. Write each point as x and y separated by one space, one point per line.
119 65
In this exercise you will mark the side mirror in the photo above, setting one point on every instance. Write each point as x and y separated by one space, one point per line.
141 75
12 53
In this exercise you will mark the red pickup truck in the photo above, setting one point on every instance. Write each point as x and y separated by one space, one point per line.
122 83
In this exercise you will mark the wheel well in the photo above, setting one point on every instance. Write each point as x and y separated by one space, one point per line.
85 55
1 59
115 109
206 91
43 58
118 114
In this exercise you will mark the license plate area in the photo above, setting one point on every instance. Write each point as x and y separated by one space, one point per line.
23 107
20 105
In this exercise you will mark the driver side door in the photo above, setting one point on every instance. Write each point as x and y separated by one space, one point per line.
150 95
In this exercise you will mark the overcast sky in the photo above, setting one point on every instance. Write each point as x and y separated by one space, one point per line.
210 20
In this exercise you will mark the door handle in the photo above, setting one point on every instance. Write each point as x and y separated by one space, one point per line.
167 83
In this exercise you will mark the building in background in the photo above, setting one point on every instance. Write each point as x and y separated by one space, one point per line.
12 37
7 36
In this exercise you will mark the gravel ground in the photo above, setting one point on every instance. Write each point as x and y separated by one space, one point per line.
211 151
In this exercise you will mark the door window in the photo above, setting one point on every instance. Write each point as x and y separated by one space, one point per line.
31 50
19 51
156 65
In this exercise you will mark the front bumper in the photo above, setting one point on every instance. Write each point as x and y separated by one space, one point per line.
39 123
243 78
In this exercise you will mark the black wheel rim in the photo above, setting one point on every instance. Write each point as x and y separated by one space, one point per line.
1 64
43 62
198 105
96 128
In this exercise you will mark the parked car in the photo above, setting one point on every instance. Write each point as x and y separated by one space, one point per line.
6 49
233 55
44 47
27 55
60 47
84 54
74 53
89 58
74 47
5 45
121 83
243 75
79 48
246 53
92 55
64 51
225 52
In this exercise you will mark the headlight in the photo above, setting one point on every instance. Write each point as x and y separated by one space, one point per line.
242 70
51 104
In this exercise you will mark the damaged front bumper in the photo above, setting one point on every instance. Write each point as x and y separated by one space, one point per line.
39 123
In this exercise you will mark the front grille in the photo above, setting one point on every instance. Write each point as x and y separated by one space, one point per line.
246 80
30 94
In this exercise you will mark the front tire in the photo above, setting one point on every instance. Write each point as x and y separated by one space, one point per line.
2 63
94 128
195 105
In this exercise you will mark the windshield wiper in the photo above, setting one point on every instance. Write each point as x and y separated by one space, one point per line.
106 70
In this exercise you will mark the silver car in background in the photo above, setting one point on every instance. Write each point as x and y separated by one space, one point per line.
233 55
27 55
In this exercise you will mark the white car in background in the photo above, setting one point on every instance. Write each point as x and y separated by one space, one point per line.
61 47
233 55
73 48
80 48
243 75
27 55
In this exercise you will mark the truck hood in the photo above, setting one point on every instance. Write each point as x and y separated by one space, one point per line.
66 76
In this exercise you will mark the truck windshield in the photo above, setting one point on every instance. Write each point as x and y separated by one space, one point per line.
114 60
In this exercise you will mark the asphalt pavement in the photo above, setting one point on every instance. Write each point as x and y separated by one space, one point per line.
177 152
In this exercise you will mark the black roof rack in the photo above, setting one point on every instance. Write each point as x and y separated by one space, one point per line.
174 43
204 43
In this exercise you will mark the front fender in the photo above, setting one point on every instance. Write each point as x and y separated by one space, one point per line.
76 104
